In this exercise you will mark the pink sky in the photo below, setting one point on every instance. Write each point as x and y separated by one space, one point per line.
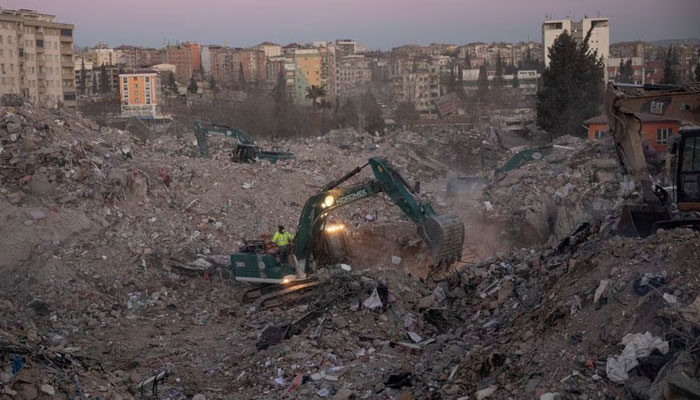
378 23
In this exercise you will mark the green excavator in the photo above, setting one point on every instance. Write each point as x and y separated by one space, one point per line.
245 151
319 242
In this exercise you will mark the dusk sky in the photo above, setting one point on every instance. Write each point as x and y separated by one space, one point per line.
381 24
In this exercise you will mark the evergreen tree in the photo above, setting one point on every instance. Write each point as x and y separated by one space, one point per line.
212 84
241 75
482 84
407 114
624 73
282 105
192 87
348 115
670 74
572 87
94 82
451 81
697 72
374 121
516 81
460 83
83 78
498 82
104 79
172 85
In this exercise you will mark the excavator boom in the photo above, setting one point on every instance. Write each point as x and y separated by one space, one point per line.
443 235
677 102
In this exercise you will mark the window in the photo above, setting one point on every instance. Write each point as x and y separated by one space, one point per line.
599 134
662 135
2 52
148 79
124 80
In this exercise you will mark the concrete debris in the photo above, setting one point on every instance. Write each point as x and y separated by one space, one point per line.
117 277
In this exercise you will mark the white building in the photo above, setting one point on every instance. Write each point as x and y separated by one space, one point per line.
527 80
600 35
270 49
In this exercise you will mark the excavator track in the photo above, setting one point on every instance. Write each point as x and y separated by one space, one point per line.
262 296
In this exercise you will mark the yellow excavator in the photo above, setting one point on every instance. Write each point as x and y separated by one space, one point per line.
657 208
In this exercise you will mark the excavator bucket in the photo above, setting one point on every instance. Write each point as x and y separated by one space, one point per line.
444 236
639 221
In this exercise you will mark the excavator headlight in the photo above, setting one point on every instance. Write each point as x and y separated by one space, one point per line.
335 228
328 201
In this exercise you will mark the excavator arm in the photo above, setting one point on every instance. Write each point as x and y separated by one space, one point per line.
444 235
677 102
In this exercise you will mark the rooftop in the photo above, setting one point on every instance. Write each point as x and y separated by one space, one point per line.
602 119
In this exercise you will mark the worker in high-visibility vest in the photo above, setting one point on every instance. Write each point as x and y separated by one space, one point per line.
282 238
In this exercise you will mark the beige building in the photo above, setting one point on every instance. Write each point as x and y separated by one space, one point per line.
419 88
353 75
600 35
270 49
36 58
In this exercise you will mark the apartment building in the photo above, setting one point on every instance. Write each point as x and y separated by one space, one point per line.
419 88
345 47
93 77
252 63
303 68
36 58
139 93
195 54
354 75
600 34
181 57
139 57
270 49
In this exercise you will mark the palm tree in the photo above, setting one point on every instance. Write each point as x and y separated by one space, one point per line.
314 93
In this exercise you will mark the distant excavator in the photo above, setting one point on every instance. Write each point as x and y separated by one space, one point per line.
658 209
246 150
319 242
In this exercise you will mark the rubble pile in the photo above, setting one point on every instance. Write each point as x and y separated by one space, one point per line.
578 181
117 284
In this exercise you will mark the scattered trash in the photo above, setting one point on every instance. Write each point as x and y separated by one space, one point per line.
637 345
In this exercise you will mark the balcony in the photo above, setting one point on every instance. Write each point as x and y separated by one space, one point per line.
67 64
41 76
66 50
39 50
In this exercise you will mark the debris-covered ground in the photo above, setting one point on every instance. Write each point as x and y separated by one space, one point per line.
113 288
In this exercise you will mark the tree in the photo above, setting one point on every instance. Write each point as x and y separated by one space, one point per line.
282 105
498 82
670 74
482 84
374 121
94 82
192 87
516 81
83 78
172 85
104 80
314 93
572 87
348 115
212 84
625 71
241 75
407 114
697 72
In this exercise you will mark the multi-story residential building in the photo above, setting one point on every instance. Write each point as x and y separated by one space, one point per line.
354 75
139 93
93 77
195 54
419 88
345 47
273 67
270 49
613 69
181 57
139 57
329 72
303 68
222 66
600 34
101 55
251 63
36 57
527 80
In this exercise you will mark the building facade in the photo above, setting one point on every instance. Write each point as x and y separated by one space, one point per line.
656 130
139 93
181 57
354 75
419 88
600 34
303 68
36 58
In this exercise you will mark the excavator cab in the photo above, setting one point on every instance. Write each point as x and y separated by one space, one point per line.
688 176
